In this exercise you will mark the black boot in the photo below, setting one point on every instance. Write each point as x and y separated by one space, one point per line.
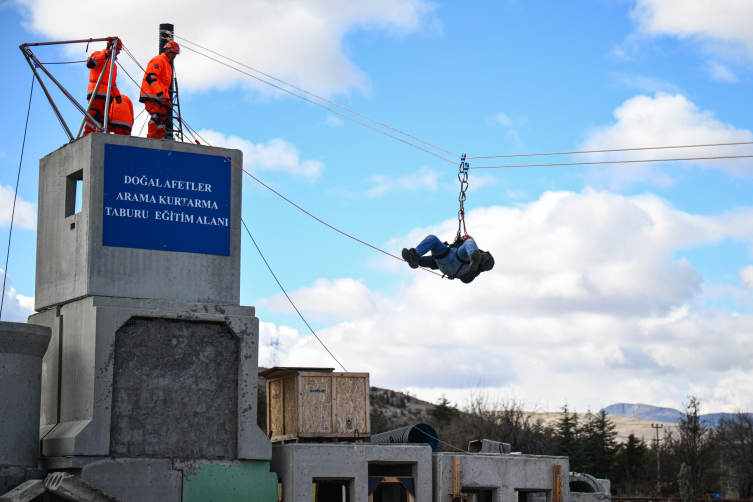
411 256
477 258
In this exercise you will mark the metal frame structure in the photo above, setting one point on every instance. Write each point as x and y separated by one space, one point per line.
34 63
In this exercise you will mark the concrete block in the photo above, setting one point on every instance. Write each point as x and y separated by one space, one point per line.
93 404
25 492
12 477
69 487
135 479
298 464
72 261
22 347
503 474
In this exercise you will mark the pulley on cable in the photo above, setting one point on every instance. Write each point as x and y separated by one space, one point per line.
462 259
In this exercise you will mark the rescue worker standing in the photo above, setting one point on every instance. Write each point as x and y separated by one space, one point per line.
97 63
121 116
155 89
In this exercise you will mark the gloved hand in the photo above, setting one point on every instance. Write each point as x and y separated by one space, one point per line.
118 99
162 99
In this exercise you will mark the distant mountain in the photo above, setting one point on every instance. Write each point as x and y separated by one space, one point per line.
669 415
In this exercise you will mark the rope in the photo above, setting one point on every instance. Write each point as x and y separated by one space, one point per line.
317 336
15 196
614 162
614 150
68 62
189 128
320 105
288 297
318 97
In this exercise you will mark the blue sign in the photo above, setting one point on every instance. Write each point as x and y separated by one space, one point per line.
717 495
166 201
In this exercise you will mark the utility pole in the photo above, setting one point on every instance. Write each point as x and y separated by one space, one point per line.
656 446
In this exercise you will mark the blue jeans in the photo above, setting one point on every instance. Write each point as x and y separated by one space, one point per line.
449 265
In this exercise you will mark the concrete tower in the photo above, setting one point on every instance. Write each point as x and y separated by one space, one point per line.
149 386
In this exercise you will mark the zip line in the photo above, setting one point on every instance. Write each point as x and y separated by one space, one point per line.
318 97
613 150
614 162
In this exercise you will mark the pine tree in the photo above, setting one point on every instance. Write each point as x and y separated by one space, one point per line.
567 441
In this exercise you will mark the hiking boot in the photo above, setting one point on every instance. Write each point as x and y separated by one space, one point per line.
411 256
477 258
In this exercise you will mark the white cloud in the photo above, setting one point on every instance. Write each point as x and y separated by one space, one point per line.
663 120
643 83
746 274
297 41
423 179
722 25
16 307
26 212
502 119
720 72
276 155
585 300
333 121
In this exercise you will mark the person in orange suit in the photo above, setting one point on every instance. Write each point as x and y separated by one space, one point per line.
121 116
97 63
155 89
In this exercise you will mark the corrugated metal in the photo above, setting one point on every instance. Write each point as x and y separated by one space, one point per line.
412 434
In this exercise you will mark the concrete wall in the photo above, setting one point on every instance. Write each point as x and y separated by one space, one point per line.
173 480
21 349
298 464
73 263
504 474
87 362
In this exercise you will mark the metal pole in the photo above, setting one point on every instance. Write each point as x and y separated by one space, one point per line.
658 465
87 40
166 31
47 93
89 106
62 89
113 55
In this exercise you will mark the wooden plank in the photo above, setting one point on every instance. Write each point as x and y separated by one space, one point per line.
275 417
334 404
290 405
298 402
269 414
457 475
557 488
316 404
368 405
352 399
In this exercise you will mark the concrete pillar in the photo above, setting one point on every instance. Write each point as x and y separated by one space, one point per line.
22 347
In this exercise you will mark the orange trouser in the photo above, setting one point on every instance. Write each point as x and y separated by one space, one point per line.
125 131
97 113
157 119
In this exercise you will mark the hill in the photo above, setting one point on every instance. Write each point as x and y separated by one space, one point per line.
655 413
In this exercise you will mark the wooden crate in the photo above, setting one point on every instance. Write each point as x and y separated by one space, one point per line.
305 404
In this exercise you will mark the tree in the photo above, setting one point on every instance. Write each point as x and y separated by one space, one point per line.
735 438
567 439
444 412
632 467
597 444
695 447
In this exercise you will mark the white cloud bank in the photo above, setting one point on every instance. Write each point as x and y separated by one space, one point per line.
586 304
664 120
16 307
26 212
295 40
276 155
722 25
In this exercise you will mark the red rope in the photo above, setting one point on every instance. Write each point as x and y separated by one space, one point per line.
293 203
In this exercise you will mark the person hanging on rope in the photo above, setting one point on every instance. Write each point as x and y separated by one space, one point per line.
121 116
155 89
97 63
461 260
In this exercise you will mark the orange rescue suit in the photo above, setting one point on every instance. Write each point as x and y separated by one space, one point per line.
101 63
97 63
156 85
121 116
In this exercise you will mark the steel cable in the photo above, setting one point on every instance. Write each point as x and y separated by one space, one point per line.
614 162
613 150
320 105
316 96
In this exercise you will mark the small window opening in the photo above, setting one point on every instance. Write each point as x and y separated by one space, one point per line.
330 490
74 186
530 496
480 495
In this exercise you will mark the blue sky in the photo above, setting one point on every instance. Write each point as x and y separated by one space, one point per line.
613 283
